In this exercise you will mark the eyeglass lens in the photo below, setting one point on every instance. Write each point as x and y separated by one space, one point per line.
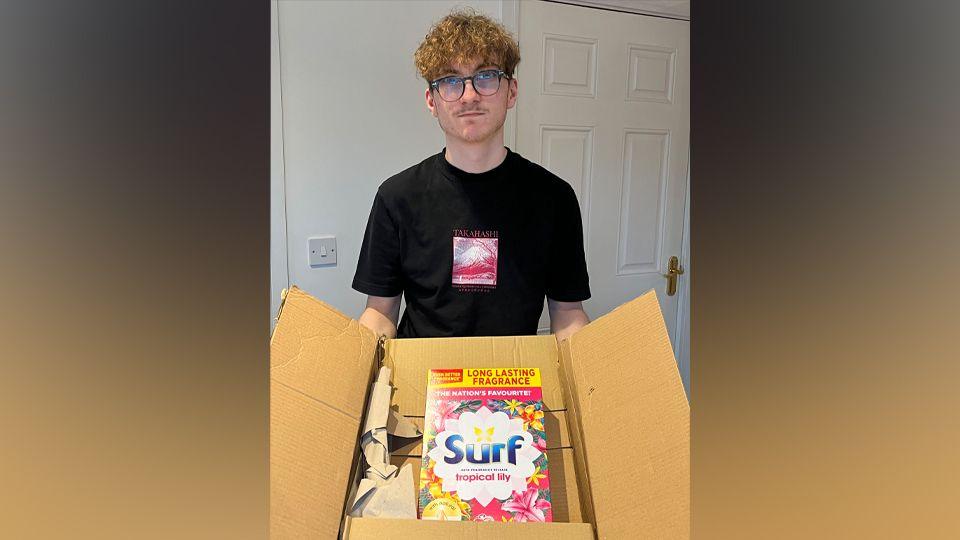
485 83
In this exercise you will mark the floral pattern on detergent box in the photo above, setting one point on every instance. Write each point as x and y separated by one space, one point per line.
484 447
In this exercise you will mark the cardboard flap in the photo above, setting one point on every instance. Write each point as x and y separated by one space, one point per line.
321 364
632 421
410 529
322 353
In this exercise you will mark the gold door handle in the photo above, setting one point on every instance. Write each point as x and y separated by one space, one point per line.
673 270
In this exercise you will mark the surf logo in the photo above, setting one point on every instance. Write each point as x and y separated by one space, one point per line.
484 455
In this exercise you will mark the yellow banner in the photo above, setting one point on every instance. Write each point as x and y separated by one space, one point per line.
484 377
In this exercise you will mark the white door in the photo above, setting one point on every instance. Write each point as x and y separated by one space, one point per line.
604 103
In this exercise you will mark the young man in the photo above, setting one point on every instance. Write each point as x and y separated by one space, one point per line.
475 235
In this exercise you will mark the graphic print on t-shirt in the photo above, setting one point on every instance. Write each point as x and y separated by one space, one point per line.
474 260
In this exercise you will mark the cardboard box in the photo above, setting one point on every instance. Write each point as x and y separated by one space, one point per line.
618 423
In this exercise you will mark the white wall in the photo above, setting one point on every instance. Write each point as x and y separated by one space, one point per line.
340 135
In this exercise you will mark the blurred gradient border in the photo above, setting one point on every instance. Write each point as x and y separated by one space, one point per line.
135 273
134 269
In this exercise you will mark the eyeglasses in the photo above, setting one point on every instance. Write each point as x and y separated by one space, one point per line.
485 82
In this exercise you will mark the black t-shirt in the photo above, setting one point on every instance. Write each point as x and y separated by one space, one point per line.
473 254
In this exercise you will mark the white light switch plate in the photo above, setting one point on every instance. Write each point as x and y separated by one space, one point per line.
322 250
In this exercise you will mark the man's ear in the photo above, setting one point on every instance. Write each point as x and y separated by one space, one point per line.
428 96
512 94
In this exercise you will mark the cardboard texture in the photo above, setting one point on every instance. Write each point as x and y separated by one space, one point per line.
318 361
624 359
466 530
564 489
618 423
311 449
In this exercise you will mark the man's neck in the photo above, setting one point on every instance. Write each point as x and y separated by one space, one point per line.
476 157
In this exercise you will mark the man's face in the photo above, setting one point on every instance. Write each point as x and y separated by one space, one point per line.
473 118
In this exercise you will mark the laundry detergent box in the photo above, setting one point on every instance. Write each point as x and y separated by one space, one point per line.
484 447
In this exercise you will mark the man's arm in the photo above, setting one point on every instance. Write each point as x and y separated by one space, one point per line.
381 315
566 318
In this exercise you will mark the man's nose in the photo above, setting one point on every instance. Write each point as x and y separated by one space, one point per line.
469 92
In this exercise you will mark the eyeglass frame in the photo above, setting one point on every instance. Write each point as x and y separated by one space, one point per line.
435 84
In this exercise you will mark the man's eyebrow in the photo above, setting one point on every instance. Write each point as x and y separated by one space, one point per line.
450 72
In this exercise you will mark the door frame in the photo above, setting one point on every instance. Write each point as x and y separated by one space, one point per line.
681 342
653 8
279 251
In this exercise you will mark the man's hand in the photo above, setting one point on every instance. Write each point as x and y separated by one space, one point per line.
381 315
566 318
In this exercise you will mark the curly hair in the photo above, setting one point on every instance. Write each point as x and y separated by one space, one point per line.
466 36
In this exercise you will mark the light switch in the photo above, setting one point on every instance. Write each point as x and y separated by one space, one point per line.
323 250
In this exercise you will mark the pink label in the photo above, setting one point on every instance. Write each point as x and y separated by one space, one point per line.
484 452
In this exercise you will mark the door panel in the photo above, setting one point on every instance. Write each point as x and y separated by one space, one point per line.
604 104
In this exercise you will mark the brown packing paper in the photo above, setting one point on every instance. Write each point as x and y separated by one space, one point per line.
399 425
385 489
388 498
373 441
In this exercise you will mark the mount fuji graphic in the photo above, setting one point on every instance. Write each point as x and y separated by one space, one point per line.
475 261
